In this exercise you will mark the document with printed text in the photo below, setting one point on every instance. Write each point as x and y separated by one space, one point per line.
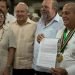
47 53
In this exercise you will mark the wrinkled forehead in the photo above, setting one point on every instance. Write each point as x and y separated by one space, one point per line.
21 6
69 7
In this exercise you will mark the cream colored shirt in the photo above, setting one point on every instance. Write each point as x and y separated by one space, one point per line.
25 39
7 41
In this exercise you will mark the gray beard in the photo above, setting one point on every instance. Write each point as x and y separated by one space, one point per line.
45 17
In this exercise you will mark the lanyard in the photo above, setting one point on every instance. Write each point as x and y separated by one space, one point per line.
70 34
65 34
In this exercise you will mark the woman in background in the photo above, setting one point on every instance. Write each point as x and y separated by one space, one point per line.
7 47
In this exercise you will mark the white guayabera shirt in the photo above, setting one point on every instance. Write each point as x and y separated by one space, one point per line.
49 31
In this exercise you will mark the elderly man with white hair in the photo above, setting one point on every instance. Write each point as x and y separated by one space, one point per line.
24 30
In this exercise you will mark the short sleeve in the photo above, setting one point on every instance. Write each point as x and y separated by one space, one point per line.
11 38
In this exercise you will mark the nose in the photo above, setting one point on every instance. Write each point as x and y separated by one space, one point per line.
63 15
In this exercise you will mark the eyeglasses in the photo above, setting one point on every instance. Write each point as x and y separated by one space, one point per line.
1 15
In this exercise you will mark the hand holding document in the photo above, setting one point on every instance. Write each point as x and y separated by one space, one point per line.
47 53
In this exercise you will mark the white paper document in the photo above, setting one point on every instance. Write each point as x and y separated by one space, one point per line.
47 53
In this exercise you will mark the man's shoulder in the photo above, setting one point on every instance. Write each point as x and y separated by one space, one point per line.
13 24
31 22
58 18
10 15
60 32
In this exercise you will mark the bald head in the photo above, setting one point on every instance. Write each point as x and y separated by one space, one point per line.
68 15
21 12
22 5
70 6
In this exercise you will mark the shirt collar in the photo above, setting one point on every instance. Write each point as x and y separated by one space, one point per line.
7 20
28 21
55 19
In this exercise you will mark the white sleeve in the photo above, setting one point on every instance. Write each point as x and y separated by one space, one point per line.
71 70
12 39
59 34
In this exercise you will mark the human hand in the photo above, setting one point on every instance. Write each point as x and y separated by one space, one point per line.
59 71
6 71
40 37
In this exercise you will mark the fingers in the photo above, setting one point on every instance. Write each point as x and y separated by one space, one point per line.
59 71
55 71
40 37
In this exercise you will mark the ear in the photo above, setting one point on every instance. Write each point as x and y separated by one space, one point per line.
28 13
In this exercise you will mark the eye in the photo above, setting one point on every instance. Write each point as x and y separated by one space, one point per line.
65 13
45 7
1 16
